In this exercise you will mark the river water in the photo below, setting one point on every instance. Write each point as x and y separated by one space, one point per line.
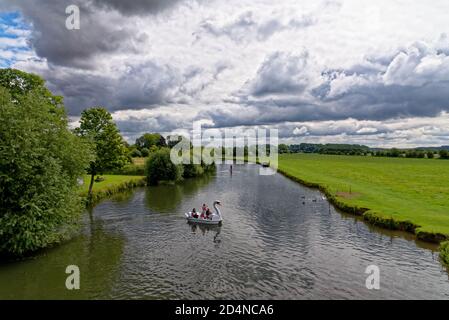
279 240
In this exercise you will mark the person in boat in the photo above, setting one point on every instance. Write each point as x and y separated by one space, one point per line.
208 214
203 211
194 213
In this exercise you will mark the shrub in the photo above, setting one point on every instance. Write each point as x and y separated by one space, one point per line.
136 153
145 152
192 170
159 167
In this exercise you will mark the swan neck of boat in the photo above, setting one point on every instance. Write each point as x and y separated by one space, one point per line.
217 210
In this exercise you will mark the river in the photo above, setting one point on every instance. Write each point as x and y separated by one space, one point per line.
279 240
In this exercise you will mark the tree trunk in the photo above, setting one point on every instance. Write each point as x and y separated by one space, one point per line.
89 194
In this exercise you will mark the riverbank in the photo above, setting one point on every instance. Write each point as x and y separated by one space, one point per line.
112 184
398 194
444 253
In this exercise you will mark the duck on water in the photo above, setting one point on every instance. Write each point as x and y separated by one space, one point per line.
212 218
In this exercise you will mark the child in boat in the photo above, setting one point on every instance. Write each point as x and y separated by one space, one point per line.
194 213
203 211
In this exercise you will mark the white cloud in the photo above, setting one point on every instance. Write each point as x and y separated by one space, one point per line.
300 131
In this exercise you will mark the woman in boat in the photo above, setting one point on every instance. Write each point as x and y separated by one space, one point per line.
194 213
208 214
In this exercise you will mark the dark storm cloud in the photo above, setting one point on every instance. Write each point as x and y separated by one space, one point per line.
142 86
136 7
102 31
145 85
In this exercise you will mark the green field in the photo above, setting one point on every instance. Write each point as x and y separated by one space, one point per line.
111 185
399 189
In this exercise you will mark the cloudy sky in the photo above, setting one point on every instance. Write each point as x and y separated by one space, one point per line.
344 71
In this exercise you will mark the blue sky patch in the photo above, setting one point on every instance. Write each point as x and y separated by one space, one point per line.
13 35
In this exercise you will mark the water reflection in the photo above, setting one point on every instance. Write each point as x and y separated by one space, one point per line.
204 229
166 197
97 253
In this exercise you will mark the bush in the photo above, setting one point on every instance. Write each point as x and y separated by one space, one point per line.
145 152
136 153
159 167
192 170
444 154
40 161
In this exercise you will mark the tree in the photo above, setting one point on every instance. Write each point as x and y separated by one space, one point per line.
283 148
150 139
40 161
97 126
394 153
430 155
444 154
159 167
173 140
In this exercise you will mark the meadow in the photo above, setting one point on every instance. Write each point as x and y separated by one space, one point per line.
408 194
111 184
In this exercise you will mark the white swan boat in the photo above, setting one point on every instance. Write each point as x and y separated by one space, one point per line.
214 218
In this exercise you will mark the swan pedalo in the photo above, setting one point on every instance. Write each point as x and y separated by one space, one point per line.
214 218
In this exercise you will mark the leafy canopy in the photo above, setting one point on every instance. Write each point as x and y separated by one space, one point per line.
98 127
149 140
19 84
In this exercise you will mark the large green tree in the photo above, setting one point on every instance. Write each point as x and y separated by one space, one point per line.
40 161
98 127
149 140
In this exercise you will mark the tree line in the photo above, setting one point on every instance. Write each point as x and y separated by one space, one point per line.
361 150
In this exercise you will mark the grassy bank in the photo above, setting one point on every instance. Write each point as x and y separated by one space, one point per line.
396 193
112 184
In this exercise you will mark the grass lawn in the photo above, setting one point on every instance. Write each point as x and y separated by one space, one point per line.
139 161
111 182
415 190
